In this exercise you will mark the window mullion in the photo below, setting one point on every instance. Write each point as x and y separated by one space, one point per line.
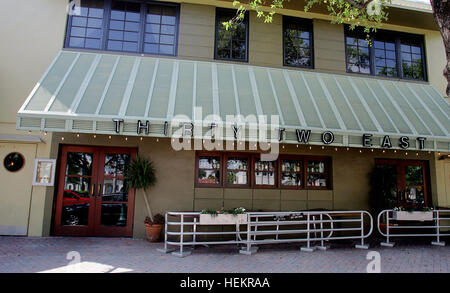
105 26
372 56
398 52
142 28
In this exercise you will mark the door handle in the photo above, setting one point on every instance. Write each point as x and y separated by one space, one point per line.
99 194
93 190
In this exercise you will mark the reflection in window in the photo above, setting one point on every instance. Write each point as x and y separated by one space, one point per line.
412 62
116 164
358 58
77 188
86 29
114 214
392 54
297 42
160 30
79 164
237 171
385 58
209 170
231 44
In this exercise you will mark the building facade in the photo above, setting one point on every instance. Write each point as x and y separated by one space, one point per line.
87 87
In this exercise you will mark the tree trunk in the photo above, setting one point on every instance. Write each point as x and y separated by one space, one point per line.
441 12
149 211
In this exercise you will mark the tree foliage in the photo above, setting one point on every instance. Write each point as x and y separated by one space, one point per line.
366 13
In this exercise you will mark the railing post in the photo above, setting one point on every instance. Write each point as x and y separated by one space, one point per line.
194 230
166 229
362 246
322 245
387 243
249 250
308 237
181 253
438 228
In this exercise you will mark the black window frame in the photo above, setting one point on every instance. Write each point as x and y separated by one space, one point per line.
397 36
106 22
302 21
231 12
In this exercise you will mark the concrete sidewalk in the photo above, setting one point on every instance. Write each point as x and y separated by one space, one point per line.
60 254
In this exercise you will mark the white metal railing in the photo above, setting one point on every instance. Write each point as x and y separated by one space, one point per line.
270 228
433 228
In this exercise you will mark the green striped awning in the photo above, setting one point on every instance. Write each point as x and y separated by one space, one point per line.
83 92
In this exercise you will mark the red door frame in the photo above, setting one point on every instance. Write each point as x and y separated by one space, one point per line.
93 228
401 178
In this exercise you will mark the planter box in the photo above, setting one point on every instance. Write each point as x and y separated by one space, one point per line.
413 216
223 219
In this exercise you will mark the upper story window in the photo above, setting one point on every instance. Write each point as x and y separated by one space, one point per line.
231 44
86 29
391 54
124 26
297 42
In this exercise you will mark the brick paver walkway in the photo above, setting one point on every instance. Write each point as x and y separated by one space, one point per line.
28 254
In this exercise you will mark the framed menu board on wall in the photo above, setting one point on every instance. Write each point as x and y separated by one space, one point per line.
44 172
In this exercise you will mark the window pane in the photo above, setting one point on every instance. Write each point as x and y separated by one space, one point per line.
94 33
167 50
151 48
92 43
115 45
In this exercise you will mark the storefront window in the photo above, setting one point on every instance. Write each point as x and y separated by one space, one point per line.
209 170
316 173
265 173
237 171
291 173
249 171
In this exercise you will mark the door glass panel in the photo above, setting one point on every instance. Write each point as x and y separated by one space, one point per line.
414 185
114 192
76 199
114 214
79 164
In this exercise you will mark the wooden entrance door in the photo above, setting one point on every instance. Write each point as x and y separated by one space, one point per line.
412 186
92 199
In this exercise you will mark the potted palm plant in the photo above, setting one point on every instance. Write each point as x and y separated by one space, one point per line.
141 176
